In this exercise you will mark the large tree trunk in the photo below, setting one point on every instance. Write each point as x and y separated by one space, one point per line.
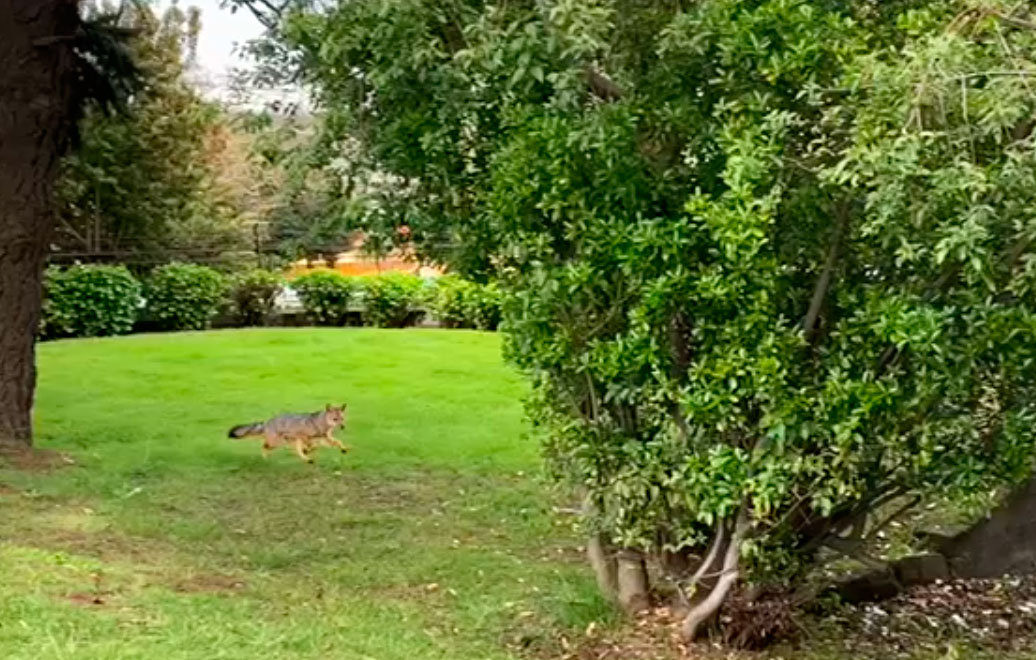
36 103
1002 543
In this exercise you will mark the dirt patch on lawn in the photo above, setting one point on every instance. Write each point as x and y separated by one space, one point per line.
208 583
86 600
35 460
105 545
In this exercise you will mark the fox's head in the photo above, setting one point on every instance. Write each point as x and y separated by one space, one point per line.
335 414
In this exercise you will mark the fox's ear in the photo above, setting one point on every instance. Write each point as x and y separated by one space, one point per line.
343 407
328 407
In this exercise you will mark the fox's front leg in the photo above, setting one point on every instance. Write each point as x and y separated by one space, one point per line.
333 441
300 449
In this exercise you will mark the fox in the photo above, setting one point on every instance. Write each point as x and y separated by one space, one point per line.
304 430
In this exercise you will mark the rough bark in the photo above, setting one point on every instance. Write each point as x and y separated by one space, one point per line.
729 574
632 581
602 560
1005 542
36 103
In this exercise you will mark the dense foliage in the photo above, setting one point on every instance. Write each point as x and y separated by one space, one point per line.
147 184
326 296
253 294
184 296
89 301
391 300
460 303
770 263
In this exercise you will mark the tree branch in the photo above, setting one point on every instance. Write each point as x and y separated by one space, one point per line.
824 281
602 86
914 501
717 546
853 550
1014 21
706 609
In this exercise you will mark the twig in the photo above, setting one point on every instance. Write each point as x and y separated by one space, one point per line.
877 529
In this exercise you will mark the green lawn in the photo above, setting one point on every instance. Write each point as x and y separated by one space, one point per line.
432 539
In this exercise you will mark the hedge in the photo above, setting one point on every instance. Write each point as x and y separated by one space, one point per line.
184 296
89 301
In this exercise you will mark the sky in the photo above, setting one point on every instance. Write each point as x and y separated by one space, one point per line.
221 31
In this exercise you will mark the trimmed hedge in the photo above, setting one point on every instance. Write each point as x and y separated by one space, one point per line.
325 296
89 301
97 300
459 303
392 300
252 296
184 296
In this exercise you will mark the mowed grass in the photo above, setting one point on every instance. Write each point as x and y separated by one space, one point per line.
433 538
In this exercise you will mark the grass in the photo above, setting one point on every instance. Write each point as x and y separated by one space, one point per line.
432 539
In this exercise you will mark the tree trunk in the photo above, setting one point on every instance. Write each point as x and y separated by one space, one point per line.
1002 543
602 560
1005 542
36 113
632 580
729 574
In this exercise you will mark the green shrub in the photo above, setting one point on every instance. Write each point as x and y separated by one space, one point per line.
252 295
325 296
483 306
450 301
89 301
391 300
460 303
184 296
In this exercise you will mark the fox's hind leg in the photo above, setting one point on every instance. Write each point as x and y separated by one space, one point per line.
269 442
300 449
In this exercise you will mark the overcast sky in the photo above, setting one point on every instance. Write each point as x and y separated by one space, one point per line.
221 34
221 31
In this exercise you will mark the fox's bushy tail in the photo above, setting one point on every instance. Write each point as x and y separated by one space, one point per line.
245 430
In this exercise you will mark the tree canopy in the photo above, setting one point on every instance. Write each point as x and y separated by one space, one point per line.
150 182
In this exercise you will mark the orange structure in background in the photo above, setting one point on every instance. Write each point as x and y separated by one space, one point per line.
353 262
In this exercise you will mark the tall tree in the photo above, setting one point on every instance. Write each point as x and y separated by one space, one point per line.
54 63
145 184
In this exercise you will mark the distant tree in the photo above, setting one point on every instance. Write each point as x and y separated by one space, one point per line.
146 184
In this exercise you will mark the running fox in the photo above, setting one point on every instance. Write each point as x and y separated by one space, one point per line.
304 430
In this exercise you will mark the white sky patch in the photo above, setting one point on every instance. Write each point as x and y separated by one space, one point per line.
222 34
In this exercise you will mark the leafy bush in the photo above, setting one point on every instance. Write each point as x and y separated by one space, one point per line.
460 303
89 301
390 300
767 304
484 306
325 296
449 301
252 295
184 296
